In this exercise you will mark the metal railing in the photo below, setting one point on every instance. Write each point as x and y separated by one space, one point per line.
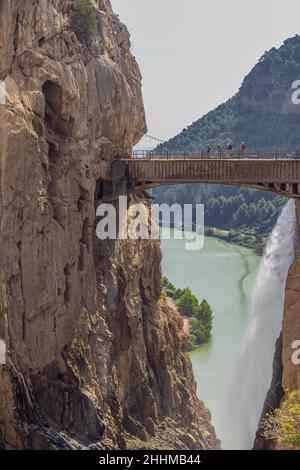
257 153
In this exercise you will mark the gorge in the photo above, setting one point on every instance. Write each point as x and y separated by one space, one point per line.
224 275
234 371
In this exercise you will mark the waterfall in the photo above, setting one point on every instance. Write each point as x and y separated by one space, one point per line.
253 370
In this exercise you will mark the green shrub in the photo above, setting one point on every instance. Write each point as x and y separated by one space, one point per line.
170 289
83 18
284 423
187 303
201 315
198 331
204 314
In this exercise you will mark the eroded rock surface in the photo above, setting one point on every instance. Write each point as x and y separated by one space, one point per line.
286 374
291 319
94 360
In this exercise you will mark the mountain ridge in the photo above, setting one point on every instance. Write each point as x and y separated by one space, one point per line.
263 102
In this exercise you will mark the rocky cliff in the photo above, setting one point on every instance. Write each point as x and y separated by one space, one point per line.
94 360
291 319
286 374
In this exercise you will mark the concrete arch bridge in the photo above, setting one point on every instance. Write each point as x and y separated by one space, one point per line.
268 171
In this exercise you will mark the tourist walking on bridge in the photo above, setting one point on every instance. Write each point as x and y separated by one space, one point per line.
242 148
219 150
208 150
229 150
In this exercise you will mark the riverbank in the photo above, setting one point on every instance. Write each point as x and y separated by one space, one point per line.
241 237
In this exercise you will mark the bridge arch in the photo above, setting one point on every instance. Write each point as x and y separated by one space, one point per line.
278 175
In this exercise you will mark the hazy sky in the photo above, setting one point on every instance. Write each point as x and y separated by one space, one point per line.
194 54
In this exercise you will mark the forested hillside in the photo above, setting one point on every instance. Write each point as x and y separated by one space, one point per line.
264 113
243 216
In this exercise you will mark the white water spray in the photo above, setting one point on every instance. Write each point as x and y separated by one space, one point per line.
253 373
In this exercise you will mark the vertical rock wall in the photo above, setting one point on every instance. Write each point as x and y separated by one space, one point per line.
94 361
291 319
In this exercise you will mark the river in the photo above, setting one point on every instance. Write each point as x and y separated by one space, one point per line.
234 370
224 274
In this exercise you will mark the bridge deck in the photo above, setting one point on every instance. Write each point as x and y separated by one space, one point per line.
225 170
280 175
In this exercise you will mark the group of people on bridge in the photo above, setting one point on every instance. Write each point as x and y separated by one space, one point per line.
228 150
220 151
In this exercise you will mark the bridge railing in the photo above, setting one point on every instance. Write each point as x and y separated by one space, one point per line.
266 152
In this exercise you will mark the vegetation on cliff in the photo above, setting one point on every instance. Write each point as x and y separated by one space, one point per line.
283 425
200 314
83 18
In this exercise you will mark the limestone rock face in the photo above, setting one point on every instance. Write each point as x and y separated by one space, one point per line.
93 359
291 319
286 374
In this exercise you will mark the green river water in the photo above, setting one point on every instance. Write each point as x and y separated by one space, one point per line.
223 274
